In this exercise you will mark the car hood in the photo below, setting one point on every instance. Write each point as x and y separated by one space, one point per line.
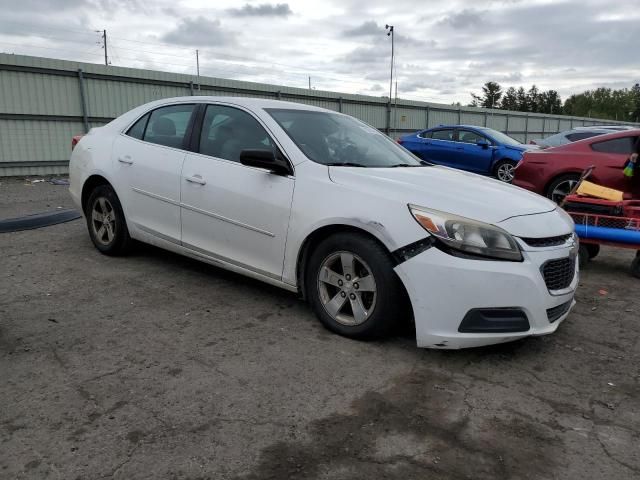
445 189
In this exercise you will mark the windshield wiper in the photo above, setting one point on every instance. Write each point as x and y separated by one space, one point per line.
345 164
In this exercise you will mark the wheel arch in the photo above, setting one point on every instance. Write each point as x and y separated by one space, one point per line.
557 176
89 185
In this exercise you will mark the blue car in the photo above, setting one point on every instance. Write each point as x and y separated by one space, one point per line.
475 149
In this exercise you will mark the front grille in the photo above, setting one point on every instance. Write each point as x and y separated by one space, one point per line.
558 274
555 313
547 241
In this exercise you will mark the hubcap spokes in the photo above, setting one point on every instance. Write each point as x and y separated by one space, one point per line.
505 172
347 288
103 221
562 190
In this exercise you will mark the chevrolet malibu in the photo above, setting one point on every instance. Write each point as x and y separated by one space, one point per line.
321 204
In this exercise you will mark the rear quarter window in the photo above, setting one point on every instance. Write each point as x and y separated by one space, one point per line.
622 145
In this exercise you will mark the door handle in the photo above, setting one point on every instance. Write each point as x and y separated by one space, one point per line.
126 159
196 179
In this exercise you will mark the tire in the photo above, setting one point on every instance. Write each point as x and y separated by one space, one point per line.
592 249
583 256
560 187
503 170
356 309
635 266
110 236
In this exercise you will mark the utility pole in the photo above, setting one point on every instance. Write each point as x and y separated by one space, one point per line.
389 29
309 82
198 67
395 112
104 45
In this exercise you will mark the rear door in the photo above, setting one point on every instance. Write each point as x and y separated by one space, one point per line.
471 156
441 148
147 161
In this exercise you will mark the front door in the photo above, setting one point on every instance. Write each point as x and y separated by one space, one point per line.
147 163
471 156
232 212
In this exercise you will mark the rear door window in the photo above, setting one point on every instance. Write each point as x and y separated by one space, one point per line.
622 145
168 125
425 134
446 134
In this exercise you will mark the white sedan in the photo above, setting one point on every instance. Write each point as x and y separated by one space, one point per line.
319 203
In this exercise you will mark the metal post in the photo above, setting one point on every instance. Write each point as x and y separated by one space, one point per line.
507 128
526 127
485 119
191 88
543 122
278 95
459 115
104 38
198 67
83 102
426 119
340 104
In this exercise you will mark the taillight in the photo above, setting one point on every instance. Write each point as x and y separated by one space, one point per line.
74 140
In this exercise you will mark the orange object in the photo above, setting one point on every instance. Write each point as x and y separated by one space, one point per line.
598 191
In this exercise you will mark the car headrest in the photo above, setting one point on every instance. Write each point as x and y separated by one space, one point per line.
164 126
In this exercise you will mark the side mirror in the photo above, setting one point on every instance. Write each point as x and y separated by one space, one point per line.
265 159
482 143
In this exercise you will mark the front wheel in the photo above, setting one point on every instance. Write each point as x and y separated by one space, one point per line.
504 170
352 287
635 266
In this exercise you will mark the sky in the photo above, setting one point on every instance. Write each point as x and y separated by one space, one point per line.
444 49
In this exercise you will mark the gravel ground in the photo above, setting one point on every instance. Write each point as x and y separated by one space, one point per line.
157 366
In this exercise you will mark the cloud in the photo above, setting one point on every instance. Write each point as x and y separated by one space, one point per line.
262 10
464 19
368 28
199 31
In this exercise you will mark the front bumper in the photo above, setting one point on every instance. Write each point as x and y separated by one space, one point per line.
444 288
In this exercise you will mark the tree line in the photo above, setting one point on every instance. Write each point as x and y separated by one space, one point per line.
622 104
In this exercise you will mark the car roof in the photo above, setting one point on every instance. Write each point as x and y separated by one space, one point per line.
251 103
580 144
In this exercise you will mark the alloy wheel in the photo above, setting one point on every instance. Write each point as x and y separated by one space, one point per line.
347 288
505 172
562 189
103 221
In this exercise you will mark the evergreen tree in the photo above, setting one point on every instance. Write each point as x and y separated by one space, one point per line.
490 98
522 100
510 100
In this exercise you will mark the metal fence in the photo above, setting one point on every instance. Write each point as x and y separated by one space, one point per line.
44 102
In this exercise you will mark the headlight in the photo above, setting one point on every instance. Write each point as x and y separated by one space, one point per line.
466 235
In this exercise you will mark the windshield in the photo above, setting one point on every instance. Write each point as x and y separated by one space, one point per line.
340 140
501 137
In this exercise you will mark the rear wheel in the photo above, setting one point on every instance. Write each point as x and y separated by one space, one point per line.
561 186
106 222
352 287
504 170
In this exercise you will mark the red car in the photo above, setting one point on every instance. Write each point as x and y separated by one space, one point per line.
554 171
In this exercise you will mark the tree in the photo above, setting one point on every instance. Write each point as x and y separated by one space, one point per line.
522 100
549 102
532 99
510 100
635 103
490 98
